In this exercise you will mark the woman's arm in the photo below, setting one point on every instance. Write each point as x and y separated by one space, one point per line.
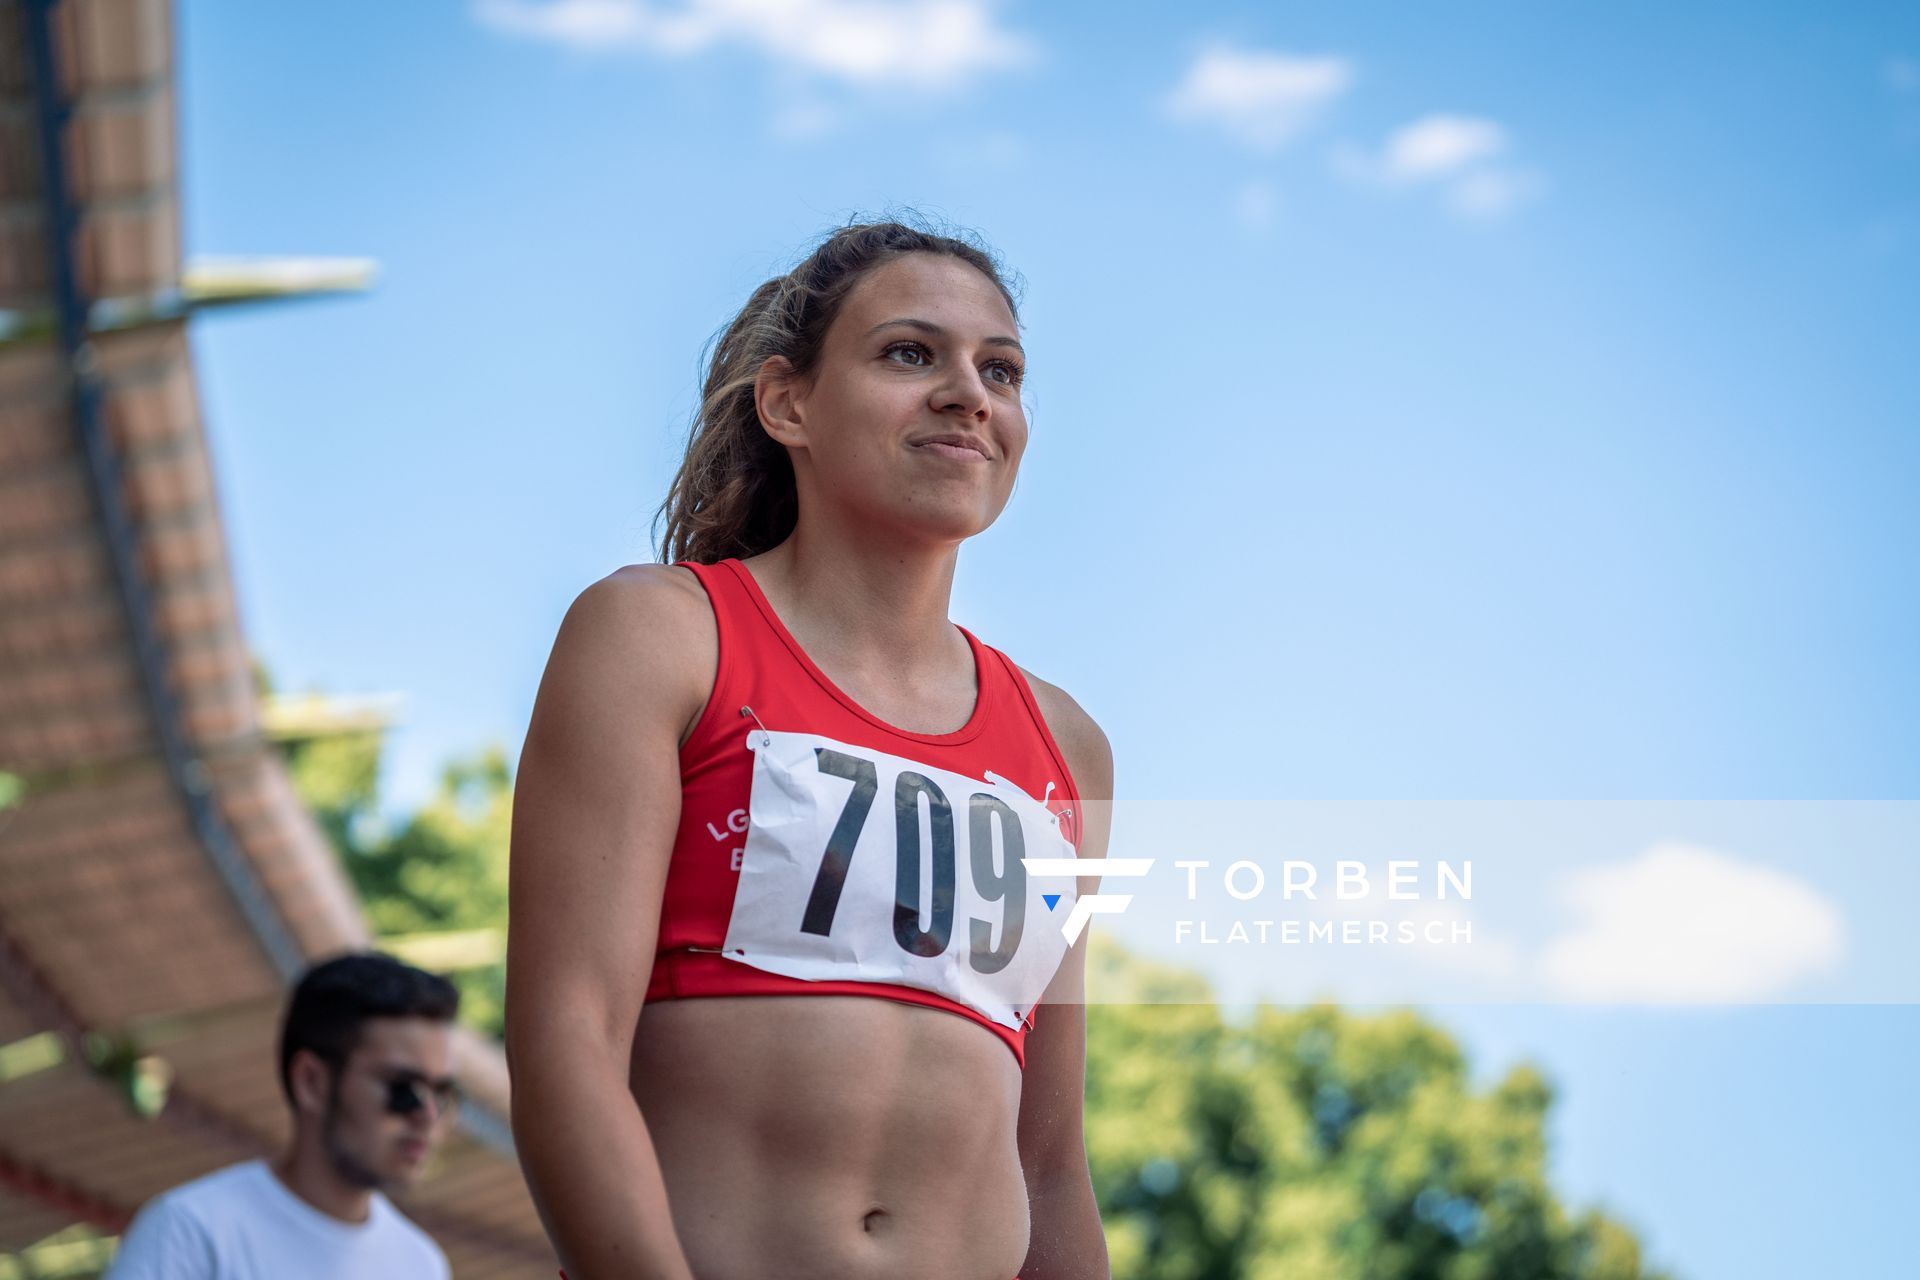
596 807
1067 1242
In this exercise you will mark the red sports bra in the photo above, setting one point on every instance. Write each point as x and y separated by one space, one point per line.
822 851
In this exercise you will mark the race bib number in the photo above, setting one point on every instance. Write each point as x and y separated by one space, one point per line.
869 867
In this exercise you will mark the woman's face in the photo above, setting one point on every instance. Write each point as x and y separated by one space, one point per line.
912 419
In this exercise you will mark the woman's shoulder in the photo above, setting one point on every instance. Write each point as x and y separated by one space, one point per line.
1084 744
647 628
663 599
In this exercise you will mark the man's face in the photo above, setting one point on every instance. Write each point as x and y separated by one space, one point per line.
398 1062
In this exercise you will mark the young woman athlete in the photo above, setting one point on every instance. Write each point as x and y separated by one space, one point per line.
776 950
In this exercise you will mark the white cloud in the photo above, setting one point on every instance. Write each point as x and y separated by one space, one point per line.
919 43
599 24
1263 99
1440 146
1465 156
1684 924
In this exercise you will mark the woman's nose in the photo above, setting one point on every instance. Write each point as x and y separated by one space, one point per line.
963 390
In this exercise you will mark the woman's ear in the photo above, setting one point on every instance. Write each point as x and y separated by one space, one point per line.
778 394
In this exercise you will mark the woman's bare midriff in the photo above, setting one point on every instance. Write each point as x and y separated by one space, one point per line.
834 1138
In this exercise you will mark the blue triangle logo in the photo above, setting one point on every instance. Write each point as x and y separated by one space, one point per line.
1051 899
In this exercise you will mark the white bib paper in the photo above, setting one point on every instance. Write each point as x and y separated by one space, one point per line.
869 867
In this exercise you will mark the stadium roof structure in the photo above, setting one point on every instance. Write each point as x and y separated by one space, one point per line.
160 880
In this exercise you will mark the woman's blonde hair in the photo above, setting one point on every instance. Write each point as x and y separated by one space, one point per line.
734 495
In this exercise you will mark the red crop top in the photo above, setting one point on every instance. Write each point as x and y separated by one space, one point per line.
821 851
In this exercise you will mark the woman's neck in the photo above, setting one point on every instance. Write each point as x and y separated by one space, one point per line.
864 603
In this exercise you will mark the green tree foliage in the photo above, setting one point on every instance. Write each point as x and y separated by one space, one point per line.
1313 1144
441 868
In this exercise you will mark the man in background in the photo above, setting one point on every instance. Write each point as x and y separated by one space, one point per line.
365 1060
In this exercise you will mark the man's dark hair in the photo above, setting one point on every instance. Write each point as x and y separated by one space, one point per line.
336 996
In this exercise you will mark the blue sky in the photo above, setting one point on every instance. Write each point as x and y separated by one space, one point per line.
1479 402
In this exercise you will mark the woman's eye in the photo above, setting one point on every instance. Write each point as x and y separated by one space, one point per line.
1004 372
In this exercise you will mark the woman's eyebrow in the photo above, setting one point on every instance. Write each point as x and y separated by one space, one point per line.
929 327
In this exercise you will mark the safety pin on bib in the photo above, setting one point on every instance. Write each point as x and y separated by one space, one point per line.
1064 813
766 739
1045 796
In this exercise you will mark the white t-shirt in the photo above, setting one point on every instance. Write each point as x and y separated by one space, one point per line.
241 1223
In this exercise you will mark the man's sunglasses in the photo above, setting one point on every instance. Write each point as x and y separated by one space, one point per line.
406 1093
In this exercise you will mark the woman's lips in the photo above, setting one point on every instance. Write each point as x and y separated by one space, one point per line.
952 451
